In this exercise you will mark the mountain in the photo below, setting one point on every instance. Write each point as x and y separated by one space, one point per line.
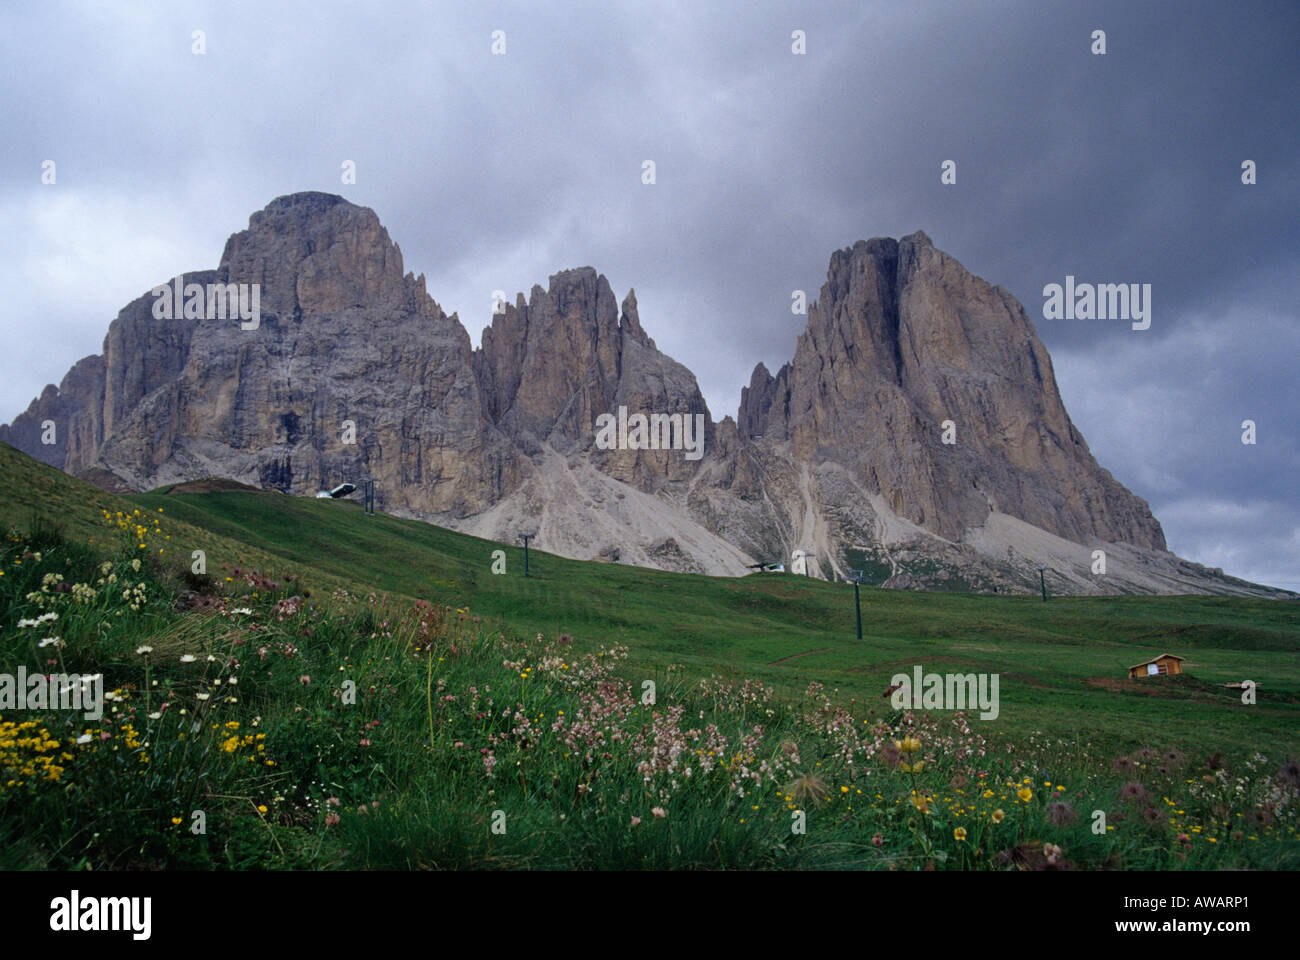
917 434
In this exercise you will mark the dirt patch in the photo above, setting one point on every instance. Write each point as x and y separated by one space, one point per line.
108 482
1024 678
211 485
1181 687
1125 685
796 656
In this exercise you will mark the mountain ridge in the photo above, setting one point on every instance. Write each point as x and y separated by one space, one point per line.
841 453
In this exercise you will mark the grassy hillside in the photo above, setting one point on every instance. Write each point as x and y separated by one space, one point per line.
1063 664
33 490
479 692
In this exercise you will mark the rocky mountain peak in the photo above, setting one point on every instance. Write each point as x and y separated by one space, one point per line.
550 367
318 253
902 341
919 416
630 322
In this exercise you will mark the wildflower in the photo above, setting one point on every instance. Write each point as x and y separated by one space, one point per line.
188 658
635 821
1261 817
998 815
144 649
959 834
1290 773
261 808
659 812
1052 852
1025 794
1133 791
83 739
877 841
1061 813
305 680
135 565
808 787
332 819
202 696
176 821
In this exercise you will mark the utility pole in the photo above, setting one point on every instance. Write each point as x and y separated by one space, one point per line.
1042 582
525 537
368 495
807 568
855 576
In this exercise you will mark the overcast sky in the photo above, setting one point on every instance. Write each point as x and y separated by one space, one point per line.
495 171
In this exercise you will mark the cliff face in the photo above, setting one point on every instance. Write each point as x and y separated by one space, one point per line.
353 369
903 339
343 336
550 367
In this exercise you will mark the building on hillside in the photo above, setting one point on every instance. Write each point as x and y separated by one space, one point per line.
1162 666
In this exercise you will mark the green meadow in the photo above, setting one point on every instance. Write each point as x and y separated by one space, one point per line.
767 708
1062 664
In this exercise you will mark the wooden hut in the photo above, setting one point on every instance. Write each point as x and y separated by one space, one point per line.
1165 665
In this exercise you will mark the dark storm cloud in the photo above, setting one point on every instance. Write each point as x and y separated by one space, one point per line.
493 172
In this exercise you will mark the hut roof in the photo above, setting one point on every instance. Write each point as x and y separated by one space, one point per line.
1154 659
